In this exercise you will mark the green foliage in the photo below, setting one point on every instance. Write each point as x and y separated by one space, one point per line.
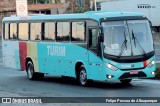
43 1
58 1
157 76
81 9
39 1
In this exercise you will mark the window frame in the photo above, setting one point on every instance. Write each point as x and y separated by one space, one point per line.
55 21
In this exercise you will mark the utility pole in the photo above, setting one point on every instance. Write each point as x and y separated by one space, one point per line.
72 5
95 5
36 2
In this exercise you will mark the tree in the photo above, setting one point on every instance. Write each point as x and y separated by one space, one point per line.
39 1
44 1
81 9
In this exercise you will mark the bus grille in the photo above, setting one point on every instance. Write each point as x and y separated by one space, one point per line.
133 69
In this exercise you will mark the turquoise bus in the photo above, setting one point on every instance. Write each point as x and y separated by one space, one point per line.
102 46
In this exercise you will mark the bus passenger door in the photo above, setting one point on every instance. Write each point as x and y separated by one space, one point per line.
95 62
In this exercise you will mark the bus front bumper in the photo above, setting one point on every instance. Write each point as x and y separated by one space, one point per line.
131 74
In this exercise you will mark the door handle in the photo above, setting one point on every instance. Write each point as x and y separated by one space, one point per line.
71 62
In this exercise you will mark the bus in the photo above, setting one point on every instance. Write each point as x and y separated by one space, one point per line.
100 46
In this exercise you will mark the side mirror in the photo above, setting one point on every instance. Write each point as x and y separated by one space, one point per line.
150 23
101 28
101 38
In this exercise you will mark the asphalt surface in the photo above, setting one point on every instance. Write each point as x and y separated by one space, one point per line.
15 83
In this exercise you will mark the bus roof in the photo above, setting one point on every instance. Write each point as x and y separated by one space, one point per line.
88 15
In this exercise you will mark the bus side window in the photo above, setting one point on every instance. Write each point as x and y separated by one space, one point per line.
93 36
13 31
49 31
35 31
6 31
78 32
63 31
23 31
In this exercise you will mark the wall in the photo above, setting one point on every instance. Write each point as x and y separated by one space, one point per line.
5 4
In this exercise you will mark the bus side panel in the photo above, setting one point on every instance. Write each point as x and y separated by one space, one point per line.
48 58
23 54
41 57
32 53
60 59
11 54
65 59
96 66
76 53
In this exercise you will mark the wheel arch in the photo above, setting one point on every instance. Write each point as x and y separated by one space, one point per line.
77 68
27 60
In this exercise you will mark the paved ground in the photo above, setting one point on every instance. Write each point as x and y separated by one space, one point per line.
15 83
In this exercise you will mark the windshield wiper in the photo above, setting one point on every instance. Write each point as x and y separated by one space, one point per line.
138 43
124 45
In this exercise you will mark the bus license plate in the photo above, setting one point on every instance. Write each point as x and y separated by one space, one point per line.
133 72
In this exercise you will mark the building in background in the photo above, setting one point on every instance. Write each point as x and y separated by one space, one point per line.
8 7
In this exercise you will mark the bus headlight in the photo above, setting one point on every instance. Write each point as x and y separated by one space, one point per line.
111 67
151 64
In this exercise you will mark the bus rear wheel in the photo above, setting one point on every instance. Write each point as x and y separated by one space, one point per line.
126 81
32 75
82 76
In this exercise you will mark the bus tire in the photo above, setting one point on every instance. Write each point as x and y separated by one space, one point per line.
31 73
126 81
82 76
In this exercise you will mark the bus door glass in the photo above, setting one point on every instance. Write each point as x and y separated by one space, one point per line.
93 39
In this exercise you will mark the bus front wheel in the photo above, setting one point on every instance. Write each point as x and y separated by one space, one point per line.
31 73
82 77
126 81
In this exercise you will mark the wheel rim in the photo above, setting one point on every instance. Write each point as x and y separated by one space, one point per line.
30 71
83 77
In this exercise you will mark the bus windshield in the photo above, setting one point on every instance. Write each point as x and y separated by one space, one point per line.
127 38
